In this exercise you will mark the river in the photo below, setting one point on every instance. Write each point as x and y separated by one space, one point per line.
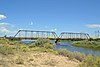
67 45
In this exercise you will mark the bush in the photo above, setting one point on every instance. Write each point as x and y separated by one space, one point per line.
7 50
41 42
25 49
4 41
91 61
22 48
8 42
32 45
48 46
64 52
87 44
79 56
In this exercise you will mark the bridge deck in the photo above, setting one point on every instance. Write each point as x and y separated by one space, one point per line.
34 38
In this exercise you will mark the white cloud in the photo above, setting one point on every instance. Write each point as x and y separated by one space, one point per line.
6 24
4 30
31 23
4 27
93 25
54 29
2 17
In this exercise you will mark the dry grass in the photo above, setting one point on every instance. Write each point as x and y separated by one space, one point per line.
16 54
33 59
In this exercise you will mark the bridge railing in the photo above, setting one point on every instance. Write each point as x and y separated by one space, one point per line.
29 34
35 34
68 35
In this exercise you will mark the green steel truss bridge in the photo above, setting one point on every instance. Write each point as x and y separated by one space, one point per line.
30 34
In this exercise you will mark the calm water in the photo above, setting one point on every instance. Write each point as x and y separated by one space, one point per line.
67 45
27 41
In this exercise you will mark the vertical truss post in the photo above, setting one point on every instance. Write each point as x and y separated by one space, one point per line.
73 35
19 34
80 35
37 34
31 33
53 35
25 33
49 35
66 35
41 34
46 34
70 35
76 35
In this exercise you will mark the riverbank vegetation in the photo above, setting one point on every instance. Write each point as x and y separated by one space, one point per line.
40 54
87 44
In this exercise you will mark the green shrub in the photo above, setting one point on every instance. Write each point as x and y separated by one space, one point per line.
48 46
25 49
4 41
22 48
32 45
87 44
8 42
7 50
64 52
79 56
41 42
71 55
91 61
41 49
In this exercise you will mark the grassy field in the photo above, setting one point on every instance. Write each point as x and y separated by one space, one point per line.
42 54
88 44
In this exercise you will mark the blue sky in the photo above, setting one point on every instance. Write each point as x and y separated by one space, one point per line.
52 15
